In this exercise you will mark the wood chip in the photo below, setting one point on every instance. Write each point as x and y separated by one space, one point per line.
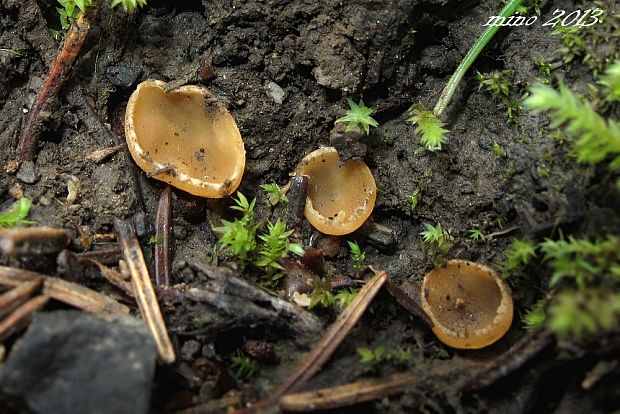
100 155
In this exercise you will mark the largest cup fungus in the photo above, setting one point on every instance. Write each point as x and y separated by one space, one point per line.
340 196
469 305
178 138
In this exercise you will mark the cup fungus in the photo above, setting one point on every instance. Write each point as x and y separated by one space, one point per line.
180 138
340 197
469 305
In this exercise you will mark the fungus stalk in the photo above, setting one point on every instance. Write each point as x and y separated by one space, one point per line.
470 57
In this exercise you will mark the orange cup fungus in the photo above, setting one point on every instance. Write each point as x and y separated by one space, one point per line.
178 138
469 304
340 197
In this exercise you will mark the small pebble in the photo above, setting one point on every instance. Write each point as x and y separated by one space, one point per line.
27 173
330 245
263 351
275 92
208 350
190 349
16 191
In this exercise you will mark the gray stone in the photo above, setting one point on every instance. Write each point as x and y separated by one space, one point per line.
27 173
275 92
74 362
190 349
122 76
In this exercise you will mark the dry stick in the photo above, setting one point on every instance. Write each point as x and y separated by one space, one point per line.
475 378
523 351
104 255
114 277
347 394
502 232
26 147
324 349
143 289
213 406
18 295
297 195
163 231
407 302
67 292
37 240
14 320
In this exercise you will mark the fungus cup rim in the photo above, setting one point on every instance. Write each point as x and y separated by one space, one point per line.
344 224
176 177
490 333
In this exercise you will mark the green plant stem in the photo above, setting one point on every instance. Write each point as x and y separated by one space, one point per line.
487 35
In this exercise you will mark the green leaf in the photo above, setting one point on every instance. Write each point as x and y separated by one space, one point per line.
129 5
345 297
275 193
297 249
430 129
534 317
366 355
357 255
17 214
596 138
358 115
414 199
611 79
476 234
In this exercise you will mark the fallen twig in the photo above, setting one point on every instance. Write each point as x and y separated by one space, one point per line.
33 240
163 232
347 394
143 289
228 302
18 295
26 147
16 319
501 232
214 406
105 256
67 292
406 299
114 277
527 348
297 195
315 359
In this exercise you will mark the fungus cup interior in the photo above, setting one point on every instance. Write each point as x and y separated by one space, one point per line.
340 197
469 305
178 138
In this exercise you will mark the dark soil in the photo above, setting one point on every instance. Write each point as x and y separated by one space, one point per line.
391 53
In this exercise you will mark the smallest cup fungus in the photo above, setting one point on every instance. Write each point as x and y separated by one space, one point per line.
340 197
469 304
178 138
